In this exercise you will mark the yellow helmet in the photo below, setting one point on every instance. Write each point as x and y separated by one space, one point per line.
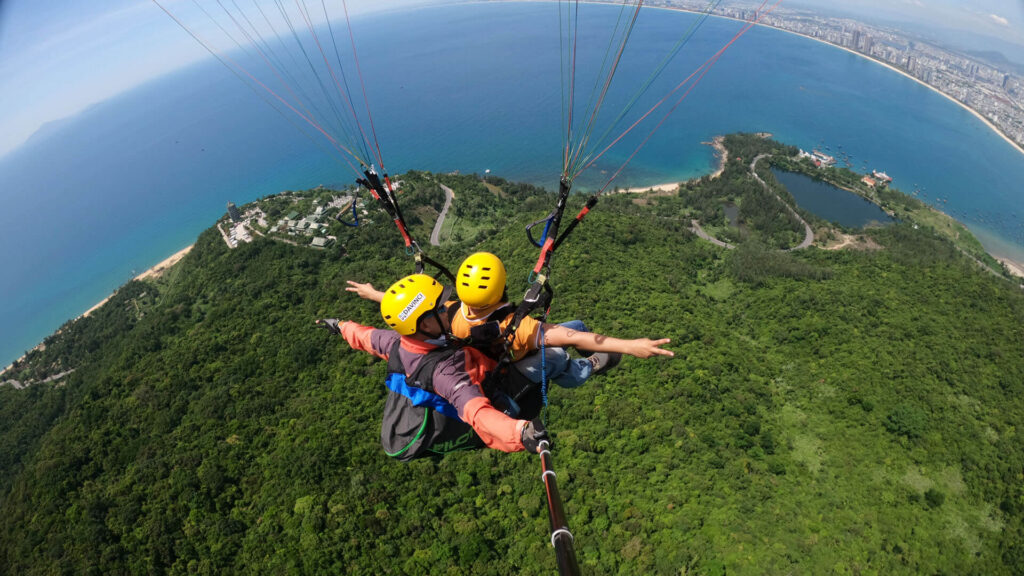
480 281
407 300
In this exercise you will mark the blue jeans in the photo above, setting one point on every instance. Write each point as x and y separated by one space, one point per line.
566 372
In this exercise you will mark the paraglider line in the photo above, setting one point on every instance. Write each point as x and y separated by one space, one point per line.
341 69
682 42
607 84
362 84
701 70
303 10
235 68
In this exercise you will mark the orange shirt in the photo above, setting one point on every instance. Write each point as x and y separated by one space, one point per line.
527 337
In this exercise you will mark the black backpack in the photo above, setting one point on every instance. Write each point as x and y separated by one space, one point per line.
417 422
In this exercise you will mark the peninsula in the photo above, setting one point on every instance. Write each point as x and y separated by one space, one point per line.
200 421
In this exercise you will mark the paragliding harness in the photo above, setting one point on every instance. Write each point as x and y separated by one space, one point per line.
539 295
418 422
355 215
488 336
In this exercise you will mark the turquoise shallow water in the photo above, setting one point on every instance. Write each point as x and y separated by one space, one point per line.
92 200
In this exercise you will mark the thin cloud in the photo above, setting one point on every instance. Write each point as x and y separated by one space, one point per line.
999 20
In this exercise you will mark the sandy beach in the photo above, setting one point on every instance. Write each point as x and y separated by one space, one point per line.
667 187
154 272
163 266
718 143
1015 268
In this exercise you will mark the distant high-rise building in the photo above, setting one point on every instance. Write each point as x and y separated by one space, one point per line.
855 43
233 212
1006 81
868 43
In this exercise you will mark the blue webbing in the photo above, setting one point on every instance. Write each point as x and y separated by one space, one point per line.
419 397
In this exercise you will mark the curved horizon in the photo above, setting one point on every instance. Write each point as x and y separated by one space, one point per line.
255 153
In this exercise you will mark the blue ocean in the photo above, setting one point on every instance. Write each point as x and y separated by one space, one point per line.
93 200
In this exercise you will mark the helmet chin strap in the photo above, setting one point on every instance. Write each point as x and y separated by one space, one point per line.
445 331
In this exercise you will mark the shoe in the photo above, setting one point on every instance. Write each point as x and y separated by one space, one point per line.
604 361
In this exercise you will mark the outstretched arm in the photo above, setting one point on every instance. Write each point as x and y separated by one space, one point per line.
365 291
555 335
359 337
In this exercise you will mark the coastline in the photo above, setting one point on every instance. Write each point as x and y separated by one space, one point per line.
903 73
975 113
666 187
718 143
153 272
1016 268
165 264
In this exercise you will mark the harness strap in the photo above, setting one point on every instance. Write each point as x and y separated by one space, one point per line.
540 294
487 333
386 198
355 215
418 387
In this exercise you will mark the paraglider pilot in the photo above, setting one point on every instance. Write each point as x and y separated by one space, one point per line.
420 361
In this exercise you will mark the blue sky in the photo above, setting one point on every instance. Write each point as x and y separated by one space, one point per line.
58 57
993 17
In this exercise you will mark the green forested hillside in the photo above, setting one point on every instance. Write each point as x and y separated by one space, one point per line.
826 412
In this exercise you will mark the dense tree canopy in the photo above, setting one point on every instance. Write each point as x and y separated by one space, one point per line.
826 412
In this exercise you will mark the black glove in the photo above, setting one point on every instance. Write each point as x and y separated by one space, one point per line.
533 434
331 324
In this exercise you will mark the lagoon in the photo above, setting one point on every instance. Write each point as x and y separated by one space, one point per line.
831 203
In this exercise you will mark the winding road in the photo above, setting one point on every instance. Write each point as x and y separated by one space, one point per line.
435 235
808 232
695 227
